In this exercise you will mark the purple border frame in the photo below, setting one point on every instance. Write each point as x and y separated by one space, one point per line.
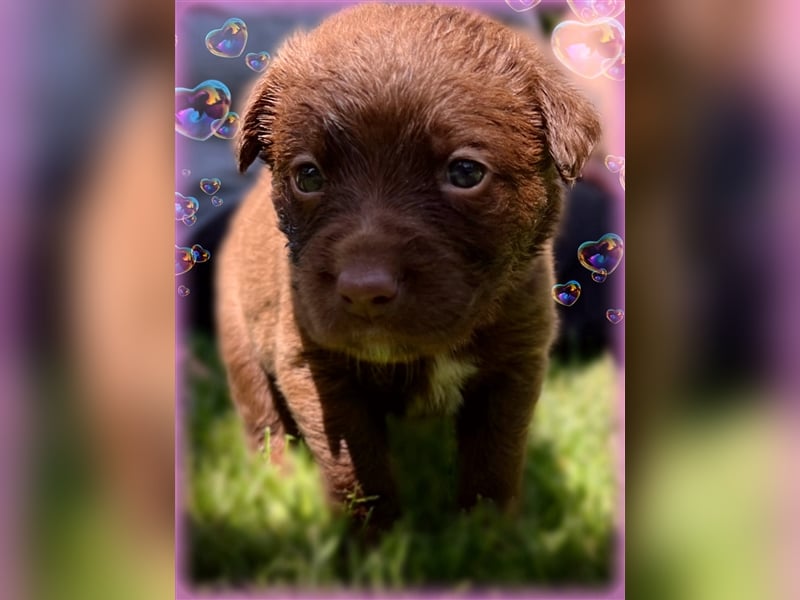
16 233
614 591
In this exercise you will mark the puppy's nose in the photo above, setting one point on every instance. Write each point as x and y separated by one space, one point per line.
366 290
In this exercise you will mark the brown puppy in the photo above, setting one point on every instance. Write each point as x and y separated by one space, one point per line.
395 259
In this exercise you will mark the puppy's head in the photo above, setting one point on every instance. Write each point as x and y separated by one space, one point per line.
418 155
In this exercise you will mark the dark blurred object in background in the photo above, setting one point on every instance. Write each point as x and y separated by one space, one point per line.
726 173
584 332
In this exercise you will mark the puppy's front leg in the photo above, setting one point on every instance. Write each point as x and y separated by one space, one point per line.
492 429
347 438
252 391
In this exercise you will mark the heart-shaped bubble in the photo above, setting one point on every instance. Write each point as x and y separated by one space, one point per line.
229 40
210 186
201 111
257 61
614 163
600 277
589 10
588 49
615 315
229 126
200 254
185 206
189 221
522 5
603 255
183 291
617 70
567 293
216 201
183 259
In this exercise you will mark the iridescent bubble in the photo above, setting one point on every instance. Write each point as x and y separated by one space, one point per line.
615 315
216 201
604 254
210 186
200 254
229 126
600 276
614 163
567 293
201 111
584 12
185 206
186 172
229 40
588 49
522 5
183 259
617 70
189 221
257 61
183 291
589 10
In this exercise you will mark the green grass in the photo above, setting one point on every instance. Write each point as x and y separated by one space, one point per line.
250 526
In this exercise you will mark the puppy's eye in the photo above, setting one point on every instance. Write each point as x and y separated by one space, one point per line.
309 178
465 173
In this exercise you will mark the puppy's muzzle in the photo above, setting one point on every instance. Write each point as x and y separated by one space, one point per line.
367 290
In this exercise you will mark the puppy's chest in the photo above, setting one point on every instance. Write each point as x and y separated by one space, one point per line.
441 393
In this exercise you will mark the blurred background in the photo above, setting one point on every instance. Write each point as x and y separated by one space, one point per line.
86 414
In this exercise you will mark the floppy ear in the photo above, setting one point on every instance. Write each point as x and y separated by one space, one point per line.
255 137
571 123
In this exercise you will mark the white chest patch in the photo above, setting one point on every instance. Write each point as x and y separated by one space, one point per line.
448 378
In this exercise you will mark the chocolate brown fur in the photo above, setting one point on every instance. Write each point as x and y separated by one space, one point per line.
380 98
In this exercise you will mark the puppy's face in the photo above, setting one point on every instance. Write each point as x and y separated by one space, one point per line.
418 154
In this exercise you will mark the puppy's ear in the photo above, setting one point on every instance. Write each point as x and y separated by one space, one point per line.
570 121
254 137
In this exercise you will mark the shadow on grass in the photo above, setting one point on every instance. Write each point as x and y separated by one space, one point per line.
249 527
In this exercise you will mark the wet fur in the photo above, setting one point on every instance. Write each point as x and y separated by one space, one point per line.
381 96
